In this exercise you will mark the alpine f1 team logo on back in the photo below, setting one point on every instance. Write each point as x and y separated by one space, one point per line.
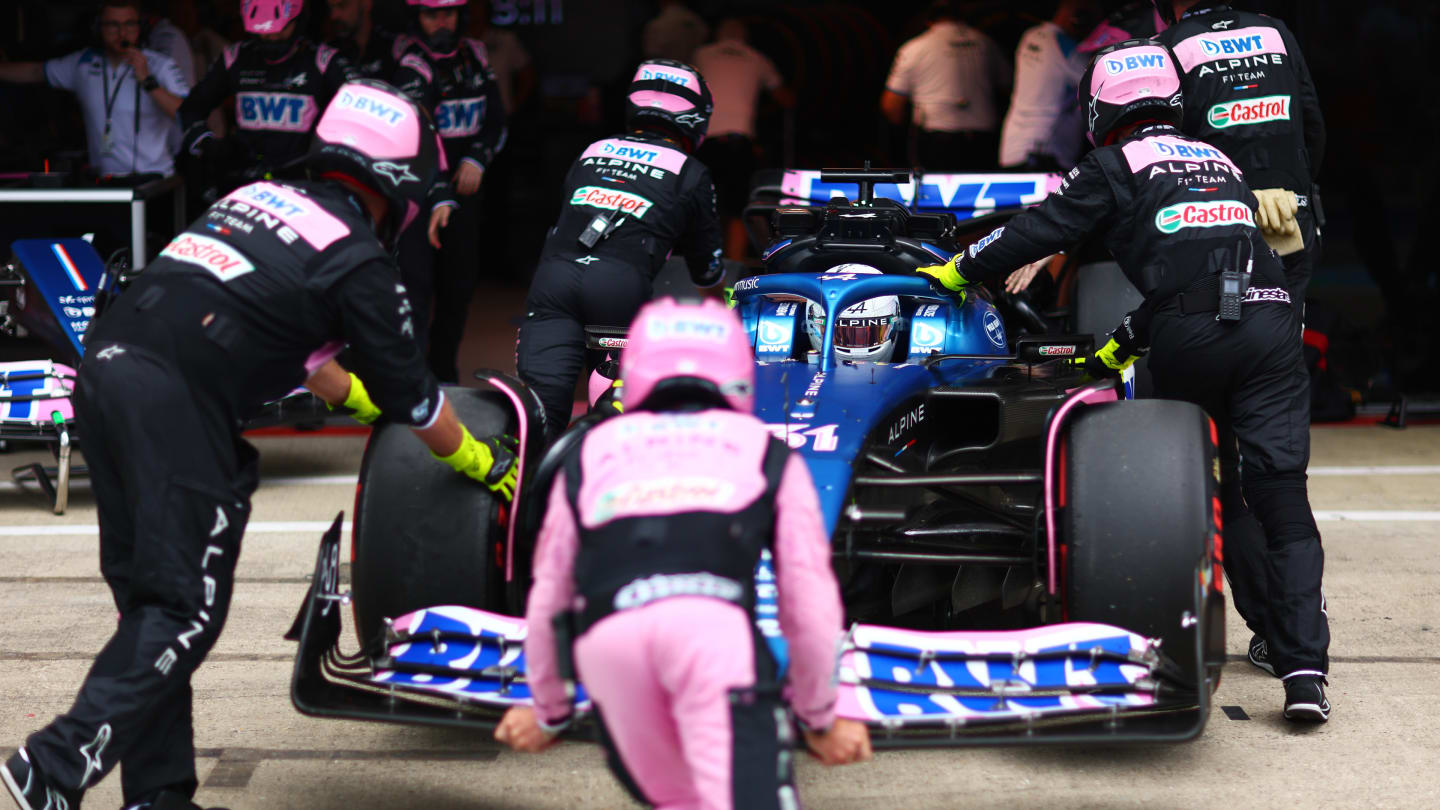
1203 215
611 200
1250 111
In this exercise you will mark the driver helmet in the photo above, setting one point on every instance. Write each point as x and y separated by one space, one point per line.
672 97
864 332
1130 81
443 42
375 134
269 16
685 352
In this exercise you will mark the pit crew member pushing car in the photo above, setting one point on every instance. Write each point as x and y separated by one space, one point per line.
281 81
656 523
1179 219
449 75
252 300
1248 92
628 200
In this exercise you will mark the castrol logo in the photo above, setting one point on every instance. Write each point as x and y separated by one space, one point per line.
611 199
1250 111
1203 215
219 258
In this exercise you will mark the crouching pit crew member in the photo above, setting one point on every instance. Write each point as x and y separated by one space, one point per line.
628 201
255 298
656 523
1177 215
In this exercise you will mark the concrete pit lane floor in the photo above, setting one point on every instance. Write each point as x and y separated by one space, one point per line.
1375 490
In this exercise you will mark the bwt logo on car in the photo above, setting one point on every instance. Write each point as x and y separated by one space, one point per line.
1203 215
459 117
1250 111
285 112
372 106
1230 46
1137 62
611 200
630 152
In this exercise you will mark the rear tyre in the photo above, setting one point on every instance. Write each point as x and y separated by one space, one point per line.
1138 524
424 534
1103 297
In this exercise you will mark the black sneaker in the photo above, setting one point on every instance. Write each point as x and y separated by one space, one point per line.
1305 699
1260 654
28 788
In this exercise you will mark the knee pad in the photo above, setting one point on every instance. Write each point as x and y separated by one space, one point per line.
1281 503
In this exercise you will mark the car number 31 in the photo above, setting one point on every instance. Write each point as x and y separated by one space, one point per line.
798 435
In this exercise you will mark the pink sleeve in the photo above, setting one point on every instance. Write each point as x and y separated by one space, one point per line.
552 592
810 611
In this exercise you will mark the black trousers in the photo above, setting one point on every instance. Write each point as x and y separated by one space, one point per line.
441 283
172 482
1300 265
1250 377
565 298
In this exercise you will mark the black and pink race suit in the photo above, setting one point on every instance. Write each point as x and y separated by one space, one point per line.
237 310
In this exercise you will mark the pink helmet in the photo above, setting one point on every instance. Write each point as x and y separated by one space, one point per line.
269 16
687 349
375 134
672 96
1129 81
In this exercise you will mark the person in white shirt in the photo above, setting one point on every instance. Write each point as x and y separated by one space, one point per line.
674 33
953 77
736 74
1043 129
128 95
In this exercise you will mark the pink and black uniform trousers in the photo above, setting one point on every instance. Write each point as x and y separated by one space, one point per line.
662 199
235 312
1248 91
461 93
277 104
655 525
1175 212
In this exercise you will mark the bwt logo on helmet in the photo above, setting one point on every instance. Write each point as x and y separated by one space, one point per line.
1250 111
459 118
611 200
212 254
1139 61
390 113
658 73
1230 46
1203 215
284 112
686 329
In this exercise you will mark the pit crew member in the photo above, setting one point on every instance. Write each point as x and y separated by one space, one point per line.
280 80
449 75
373 51
657 522
1248 92
1178 217
628 201
252 300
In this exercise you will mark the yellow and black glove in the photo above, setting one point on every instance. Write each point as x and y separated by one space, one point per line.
1276 218
948 275
358 402
1110 361
491 461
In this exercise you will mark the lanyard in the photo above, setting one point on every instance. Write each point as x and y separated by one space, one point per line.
109 96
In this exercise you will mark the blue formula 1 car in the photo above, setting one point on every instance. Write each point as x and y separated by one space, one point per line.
1026 555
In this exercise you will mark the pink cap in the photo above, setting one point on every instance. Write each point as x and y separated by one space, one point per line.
370 121
703 341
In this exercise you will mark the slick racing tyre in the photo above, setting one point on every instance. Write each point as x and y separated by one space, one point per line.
424 534
1103 297
1138 524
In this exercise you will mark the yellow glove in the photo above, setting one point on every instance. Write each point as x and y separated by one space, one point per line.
362 410
1276 218
490 461
948 274
1110 361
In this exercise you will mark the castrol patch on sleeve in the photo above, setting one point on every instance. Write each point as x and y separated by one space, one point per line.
219 258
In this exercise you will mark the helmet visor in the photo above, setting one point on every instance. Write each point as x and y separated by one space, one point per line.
863 332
